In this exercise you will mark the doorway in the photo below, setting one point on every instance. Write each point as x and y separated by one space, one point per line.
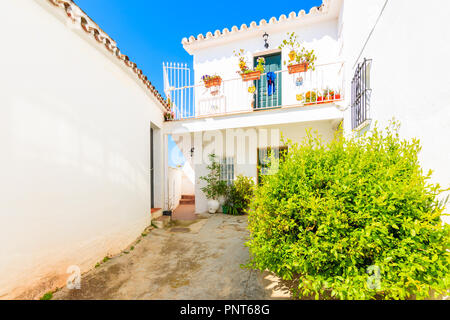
152 171
268 89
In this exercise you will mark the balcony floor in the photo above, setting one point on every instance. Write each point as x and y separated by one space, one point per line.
262 117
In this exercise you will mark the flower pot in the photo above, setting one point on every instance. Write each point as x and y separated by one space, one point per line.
337 96
213 205
255 75
213 82
225 209
320 100
297 68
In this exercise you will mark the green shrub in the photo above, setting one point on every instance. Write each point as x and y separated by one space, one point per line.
239 195
47 296
352 219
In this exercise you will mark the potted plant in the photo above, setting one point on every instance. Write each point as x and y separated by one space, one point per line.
320 99
246 73
211 81
300 59
328 94
215 187
310 97
169 114
337 96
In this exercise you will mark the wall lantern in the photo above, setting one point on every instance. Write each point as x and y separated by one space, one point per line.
192 151
266 37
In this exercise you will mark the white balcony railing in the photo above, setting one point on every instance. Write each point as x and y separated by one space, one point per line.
236 96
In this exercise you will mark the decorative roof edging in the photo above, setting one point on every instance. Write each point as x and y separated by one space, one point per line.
253 25
77 16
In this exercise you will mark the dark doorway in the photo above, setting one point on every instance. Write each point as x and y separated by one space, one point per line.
152 172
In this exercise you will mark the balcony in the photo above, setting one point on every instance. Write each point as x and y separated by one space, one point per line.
324 85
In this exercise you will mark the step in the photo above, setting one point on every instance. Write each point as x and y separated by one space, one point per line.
188 196
156 212
187 201
161 221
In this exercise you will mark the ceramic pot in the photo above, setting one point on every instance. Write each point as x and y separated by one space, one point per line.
213 205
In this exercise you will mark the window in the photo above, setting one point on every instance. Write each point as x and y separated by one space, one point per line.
227 170
264 157
361 93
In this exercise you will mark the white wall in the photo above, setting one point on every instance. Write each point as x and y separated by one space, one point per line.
411 66
187 179
174 182
75 135
247 165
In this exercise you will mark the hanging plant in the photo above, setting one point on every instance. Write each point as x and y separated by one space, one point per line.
310 97
328 94
246 73
299 81
300 59
211 81
169 114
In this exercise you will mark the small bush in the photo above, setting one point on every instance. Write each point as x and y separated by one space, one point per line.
352 219
215 186
239 195
47 296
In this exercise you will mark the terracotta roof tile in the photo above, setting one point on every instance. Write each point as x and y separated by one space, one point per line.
89 26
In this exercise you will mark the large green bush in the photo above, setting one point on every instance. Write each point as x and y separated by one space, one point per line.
352 219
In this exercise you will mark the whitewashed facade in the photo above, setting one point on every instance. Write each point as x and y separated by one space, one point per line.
397 35
406 73
77 117
75 124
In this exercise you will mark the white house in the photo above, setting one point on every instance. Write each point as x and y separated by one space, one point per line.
84 142
77 120
386 59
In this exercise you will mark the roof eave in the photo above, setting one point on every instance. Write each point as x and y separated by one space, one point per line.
327 11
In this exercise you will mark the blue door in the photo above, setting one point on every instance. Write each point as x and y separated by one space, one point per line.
268 89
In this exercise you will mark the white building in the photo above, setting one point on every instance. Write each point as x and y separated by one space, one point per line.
84 140
396 48
76 119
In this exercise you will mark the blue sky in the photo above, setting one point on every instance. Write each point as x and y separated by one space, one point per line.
150 31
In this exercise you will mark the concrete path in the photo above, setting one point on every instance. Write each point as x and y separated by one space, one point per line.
184 212
200 260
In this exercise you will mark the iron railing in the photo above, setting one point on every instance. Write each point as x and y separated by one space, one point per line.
361 91
236 96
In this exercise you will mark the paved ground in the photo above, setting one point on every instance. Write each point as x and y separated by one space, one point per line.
198 260
184 212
